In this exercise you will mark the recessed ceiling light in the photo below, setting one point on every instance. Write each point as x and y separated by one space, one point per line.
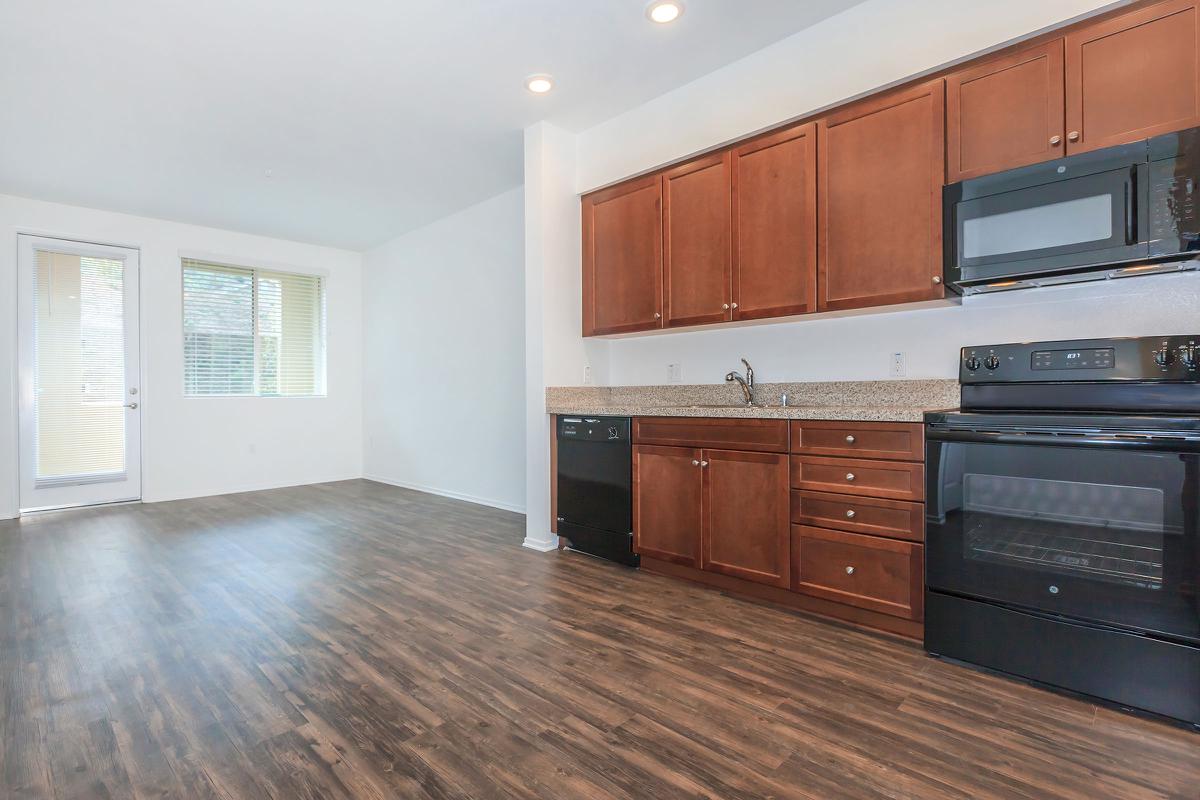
664 12
539 84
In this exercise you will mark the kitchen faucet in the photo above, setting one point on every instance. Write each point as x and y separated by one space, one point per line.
746 384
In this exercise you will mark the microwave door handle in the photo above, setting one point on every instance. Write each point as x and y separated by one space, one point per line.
990 437
1131 209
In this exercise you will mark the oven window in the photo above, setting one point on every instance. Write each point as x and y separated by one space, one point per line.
1098 534
1105 531
1084 219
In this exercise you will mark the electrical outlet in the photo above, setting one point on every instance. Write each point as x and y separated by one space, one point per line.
674 373
897 365
587 374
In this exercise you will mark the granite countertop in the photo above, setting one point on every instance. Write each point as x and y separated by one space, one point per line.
876 401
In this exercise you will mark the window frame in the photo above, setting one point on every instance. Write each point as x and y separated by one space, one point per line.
320 352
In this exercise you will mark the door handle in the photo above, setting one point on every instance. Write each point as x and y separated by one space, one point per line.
131 405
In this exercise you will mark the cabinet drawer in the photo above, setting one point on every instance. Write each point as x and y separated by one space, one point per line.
882 575
870 515
902 441
895 480
765 435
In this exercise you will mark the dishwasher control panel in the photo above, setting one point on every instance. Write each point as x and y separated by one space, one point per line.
594 429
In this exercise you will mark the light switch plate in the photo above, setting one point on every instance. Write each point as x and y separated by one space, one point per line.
897 365
587 374
674 373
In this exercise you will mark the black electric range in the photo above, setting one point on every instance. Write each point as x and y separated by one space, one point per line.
1063 519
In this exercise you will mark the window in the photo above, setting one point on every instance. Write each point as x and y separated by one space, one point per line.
252 331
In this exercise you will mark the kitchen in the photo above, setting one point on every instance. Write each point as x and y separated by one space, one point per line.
1045 530
638 399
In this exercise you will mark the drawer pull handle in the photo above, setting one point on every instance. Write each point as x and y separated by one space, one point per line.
849 476
695 463
849 570
849 513
850 438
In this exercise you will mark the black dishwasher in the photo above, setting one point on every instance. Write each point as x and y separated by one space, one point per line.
595 475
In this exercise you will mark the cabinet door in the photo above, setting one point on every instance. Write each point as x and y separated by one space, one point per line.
667 498
775 224
881 164
1006 112
696 241
622 258
746 510
1133 76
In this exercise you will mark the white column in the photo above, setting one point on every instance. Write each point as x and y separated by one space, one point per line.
555 351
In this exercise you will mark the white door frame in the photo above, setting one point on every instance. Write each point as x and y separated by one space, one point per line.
84 491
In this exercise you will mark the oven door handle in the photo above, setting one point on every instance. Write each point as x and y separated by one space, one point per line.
1114 443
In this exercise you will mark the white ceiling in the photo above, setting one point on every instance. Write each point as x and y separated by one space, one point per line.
374 116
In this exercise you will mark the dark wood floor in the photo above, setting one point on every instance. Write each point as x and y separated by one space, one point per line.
357 640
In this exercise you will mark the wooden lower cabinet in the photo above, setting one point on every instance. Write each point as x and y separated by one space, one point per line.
749 517
882 575
745 530
667 497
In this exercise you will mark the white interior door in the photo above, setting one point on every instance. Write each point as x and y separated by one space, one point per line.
79 373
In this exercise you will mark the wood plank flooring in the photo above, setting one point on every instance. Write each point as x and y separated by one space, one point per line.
354 640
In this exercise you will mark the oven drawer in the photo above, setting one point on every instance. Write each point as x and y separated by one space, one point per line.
874 516
902 441
882 575
891 479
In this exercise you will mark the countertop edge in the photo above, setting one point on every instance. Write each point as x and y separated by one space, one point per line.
836 413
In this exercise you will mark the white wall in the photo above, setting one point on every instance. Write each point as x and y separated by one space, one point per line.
443 390
860 347
201 446
878 43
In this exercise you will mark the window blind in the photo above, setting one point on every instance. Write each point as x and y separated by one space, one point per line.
79 373
249 331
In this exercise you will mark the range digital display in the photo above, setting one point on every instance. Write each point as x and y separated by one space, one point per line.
1101 358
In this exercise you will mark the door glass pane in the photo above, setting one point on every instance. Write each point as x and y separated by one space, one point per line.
1084 219
79 372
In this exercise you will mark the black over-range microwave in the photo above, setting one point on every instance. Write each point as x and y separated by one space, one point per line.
1117 212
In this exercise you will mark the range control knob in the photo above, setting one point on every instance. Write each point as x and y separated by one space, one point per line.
972 363
1163 357
991 362
1188 356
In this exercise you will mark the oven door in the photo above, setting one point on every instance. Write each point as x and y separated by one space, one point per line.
1059 226
1097 527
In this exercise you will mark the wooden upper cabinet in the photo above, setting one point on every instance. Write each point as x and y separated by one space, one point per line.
746 516
775 224
622 258
881 167
1133 76
696 258
1005 112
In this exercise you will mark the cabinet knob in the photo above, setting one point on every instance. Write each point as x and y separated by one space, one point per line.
849 513
735 306
1073 136
695 463
1055 140
725 306
937 279
849 570
850 438
849 476
704 463
657 315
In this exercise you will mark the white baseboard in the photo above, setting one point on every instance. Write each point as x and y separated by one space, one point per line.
470 498
248 487
540 545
